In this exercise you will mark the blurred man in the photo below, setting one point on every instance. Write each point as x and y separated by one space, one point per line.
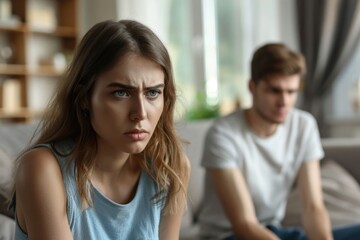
253 157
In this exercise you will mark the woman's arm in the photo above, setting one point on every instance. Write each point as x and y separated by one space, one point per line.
41 197
170 223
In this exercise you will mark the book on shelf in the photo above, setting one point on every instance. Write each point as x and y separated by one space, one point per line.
7 19
1 95
42 16
10 95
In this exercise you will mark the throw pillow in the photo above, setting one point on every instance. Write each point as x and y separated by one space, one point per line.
6 181
341 194
7 228
6 172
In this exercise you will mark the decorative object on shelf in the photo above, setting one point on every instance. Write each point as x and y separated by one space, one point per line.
11 98
6 17
1 93
5 9
42 15
59 61
6 54
201 109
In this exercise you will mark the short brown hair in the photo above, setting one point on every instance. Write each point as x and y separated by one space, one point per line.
276 58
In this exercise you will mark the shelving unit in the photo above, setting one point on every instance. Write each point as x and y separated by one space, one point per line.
33 34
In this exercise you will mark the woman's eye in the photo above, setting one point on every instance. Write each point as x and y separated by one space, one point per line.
153 93
121 93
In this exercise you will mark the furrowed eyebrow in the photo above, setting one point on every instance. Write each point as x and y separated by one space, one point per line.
156 86
120 85
126 86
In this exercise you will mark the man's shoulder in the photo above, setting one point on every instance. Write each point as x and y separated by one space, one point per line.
298 114
230 120
300 121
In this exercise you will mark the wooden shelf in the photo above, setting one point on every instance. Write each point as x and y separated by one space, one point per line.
20 114
31 40
48 71
21 28
59 31
12 69
20 70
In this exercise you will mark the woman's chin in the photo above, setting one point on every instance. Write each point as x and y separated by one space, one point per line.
136 149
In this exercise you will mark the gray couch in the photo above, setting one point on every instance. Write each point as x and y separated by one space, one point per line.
340 184
13 138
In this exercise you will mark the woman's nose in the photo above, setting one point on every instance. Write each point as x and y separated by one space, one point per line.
138 111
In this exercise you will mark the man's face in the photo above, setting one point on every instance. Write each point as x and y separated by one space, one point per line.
274 96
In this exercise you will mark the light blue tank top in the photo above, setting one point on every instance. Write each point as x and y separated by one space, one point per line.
138 219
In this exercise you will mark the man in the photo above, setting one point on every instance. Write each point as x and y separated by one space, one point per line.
254 156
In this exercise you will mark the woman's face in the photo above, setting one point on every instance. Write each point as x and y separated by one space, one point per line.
126 104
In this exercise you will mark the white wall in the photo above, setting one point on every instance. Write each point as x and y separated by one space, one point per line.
149 12
94 11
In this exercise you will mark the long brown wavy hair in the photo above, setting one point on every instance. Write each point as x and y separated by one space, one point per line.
98 51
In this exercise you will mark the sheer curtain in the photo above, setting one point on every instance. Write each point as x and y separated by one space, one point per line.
153 13
242 27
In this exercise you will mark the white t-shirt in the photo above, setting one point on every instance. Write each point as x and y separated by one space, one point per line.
269 165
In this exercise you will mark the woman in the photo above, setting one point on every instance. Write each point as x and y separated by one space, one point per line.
108 163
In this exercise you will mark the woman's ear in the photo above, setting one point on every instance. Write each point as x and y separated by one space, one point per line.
84 105
85 112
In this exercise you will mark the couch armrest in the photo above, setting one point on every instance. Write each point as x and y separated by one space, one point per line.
345 151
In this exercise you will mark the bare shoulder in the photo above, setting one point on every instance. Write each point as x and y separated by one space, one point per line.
41 196
38 174
36 164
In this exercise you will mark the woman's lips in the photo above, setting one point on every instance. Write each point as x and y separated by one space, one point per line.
137 135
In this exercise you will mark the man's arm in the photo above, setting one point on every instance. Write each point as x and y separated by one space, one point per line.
315 218
231 188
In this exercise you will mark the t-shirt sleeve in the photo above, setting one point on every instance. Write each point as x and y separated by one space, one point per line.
219 149
314 150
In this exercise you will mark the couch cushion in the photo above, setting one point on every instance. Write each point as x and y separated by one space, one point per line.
6 171
6 176
7 228
341 194
14 138
194 132
345 151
